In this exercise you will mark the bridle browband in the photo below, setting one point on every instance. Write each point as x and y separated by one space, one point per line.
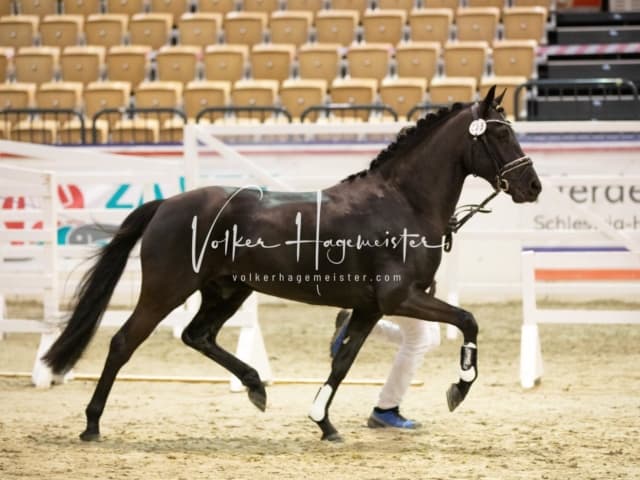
477 128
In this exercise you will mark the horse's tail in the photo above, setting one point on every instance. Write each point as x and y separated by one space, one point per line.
96 289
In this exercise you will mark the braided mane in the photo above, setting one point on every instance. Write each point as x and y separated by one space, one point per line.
407 138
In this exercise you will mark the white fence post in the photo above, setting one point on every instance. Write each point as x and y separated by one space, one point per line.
530 353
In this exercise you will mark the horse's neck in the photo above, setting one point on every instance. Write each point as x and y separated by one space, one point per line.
431 177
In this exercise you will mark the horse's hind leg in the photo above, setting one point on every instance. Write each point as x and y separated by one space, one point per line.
145 317
360 325
218 305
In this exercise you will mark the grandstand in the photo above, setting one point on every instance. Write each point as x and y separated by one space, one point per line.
136 71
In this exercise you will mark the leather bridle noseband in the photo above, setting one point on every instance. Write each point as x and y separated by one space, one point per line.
477 128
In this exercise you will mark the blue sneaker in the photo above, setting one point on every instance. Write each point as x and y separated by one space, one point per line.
390 418
342 321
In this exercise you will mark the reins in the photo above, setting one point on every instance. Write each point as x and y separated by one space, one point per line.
477 128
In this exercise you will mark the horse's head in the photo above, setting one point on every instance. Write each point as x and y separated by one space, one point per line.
495 153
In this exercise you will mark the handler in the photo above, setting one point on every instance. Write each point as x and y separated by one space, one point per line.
415 338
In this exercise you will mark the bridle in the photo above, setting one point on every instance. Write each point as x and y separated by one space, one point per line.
477 128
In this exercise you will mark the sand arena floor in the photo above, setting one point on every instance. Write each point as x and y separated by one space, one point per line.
582 422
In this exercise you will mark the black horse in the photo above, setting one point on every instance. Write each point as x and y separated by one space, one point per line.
371 243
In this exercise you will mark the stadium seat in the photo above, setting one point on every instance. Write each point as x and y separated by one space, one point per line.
319 61
225 62
245 28
271 61
406 5
525 23
70 132
313 6
136 130
402 94
6 8
384 26
336 26
217 6
106 95
152 29
61 30
128 63
36 64
290 27
265 6
35 130
5 129
296 95
201 29
254 93
204 94
178 63
66 95
477 23
81 7
499 4
546 4
175 8
514 58
83 64
158 94
359 6
39 8
172 130
354 91
417 59
450 4
16 96
502 83
369 60
465 59
444 90
5 63
106 29
126 7
59 95
431 25
18 30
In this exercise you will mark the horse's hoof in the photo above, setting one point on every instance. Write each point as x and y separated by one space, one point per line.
454 397
259 398
88 436
333 437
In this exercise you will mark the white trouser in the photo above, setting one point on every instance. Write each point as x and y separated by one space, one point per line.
415 337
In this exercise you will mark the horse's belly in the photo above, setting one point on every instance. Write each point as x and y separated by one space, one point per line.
305 290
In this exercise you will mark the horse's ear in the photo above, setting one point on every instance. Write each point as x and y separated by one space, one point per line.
499 98
488 101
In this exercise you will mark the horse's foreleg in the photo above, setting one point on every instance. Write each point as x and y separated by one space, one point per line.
425 307
201 335
359 327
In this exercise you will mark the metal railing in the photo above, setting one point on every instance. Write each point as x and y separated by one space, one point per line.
152 117
251 112
579 99
43 124
343 110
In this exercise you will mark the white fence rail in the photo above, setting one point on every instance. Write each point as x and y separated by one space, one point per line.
577 267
